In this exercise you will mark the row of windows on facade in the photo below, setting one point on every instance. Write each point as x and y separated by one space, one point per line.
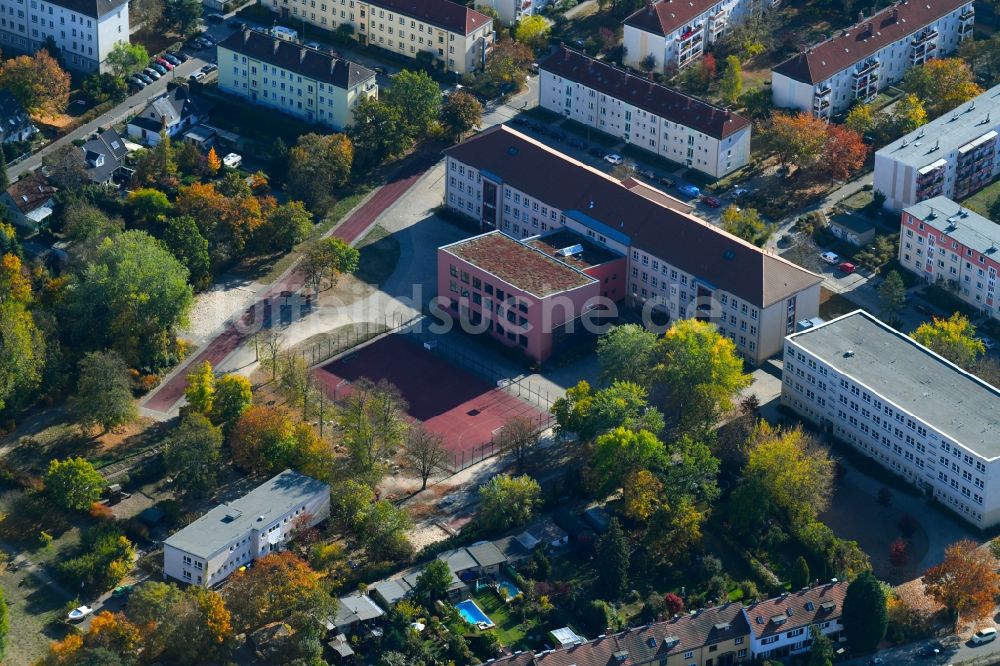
682 313
478 284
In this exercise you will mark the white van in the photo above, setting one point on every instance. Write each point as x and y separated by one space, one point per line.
984 636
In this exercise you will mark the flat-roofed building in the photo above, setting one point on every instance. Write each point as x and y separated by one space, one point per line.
954 155
677 264
235 534
903 406
662 120
856 63
671 34
448 34
310 84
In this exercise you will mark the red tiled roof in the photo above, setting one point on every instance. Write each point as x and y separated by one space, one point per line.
520 266
691 244
798 609
665 102
821 61
31 192
668 15
443 13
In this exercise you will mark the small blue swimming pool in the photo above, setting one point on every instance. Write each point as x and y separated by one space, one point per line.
508 590
473 614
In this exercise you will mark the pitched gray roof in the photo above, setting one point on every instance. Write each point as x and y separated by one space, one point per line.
226 522
109 144
13 118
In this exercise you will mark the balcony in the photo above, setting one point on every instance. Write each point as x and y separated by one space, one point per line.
870 65
967 14
820 104
924 37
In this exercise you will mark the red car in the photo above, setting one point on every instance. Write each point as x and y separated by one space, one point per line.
711 201
847 267
166 63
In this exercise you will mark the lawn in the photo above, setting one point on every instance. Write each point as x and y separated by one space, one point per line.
512 633
982 200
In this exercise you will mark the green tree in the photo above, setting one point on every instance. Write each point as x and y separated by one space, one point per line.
612 563
147 206
941 84
621 452
589 414
183 238
284 227
4 624
418 98
101 87
106 556
383 528
908 114
200 390
461 113
192 454
434 581
424 453
861 118
533 30
104 393
506 502
697 371
372 422
73 483
731 83
692 469
317 164
131 298
183 15
507 64
821 650
379 132
22 352
233 397
746 223
954 338
625 353
125 59
892 296
674 530
864 615
800 574
324 261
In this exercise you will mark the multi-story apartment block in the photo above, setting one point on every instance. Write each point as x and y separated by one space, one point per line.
310 84
678 264
902 405
942 241
235 534
781 626
954 155
528 293
84 30
671 34
653 117
452 35
512 11
856 63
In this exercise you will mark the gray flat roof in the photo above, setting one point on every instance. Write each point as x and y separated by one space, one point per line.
225 523
486 554
950 400
392 589
967 122
356 608
458 560
967 227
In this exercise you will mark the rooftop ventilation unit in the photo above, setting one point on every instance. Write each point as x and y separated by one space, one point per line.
570 251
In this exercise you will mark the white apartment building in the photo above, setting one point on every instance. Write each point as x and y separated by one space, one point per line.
309 84
671 34
781 626
512 11
954 155
856 63
678 265
452 35
941 241
642 113
235 534
903 406
85 30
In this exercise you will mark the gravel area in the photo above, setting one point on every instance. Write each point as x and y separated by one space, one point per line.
213 308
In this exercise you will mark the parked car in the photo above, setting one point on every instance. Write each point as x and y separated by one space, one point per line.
986 342
232 160
209 68
830 257
215 18
312 45
137 83
197 76
578 143
688 190
151 73
847 267
165 63
596 152
122 591
145 78
613 158
646 173
984 636
158 67
667 182
208 40
172 59
738 192
712 202
932 649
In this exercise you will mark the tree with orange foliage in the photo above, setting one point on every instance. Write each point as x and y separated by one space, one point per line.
262 440
214 163
797 139
226 222
113 631
942 84
844 152
37 82
966 582
64 651
280 586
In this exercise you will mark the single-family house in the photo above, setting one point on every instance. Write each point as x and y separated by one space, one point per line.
488 558
851 229
780 626
459 561
176 111
15 123
354 610
104 158
457 590
29 201
388 592
513 550
545 533
340 649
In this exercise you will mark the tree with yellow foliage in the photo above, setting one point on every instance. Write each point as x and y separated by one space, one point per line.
954 338
214 163
942 84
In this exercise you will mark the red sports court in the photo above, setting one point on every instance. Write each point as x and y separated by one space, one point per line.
460 406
